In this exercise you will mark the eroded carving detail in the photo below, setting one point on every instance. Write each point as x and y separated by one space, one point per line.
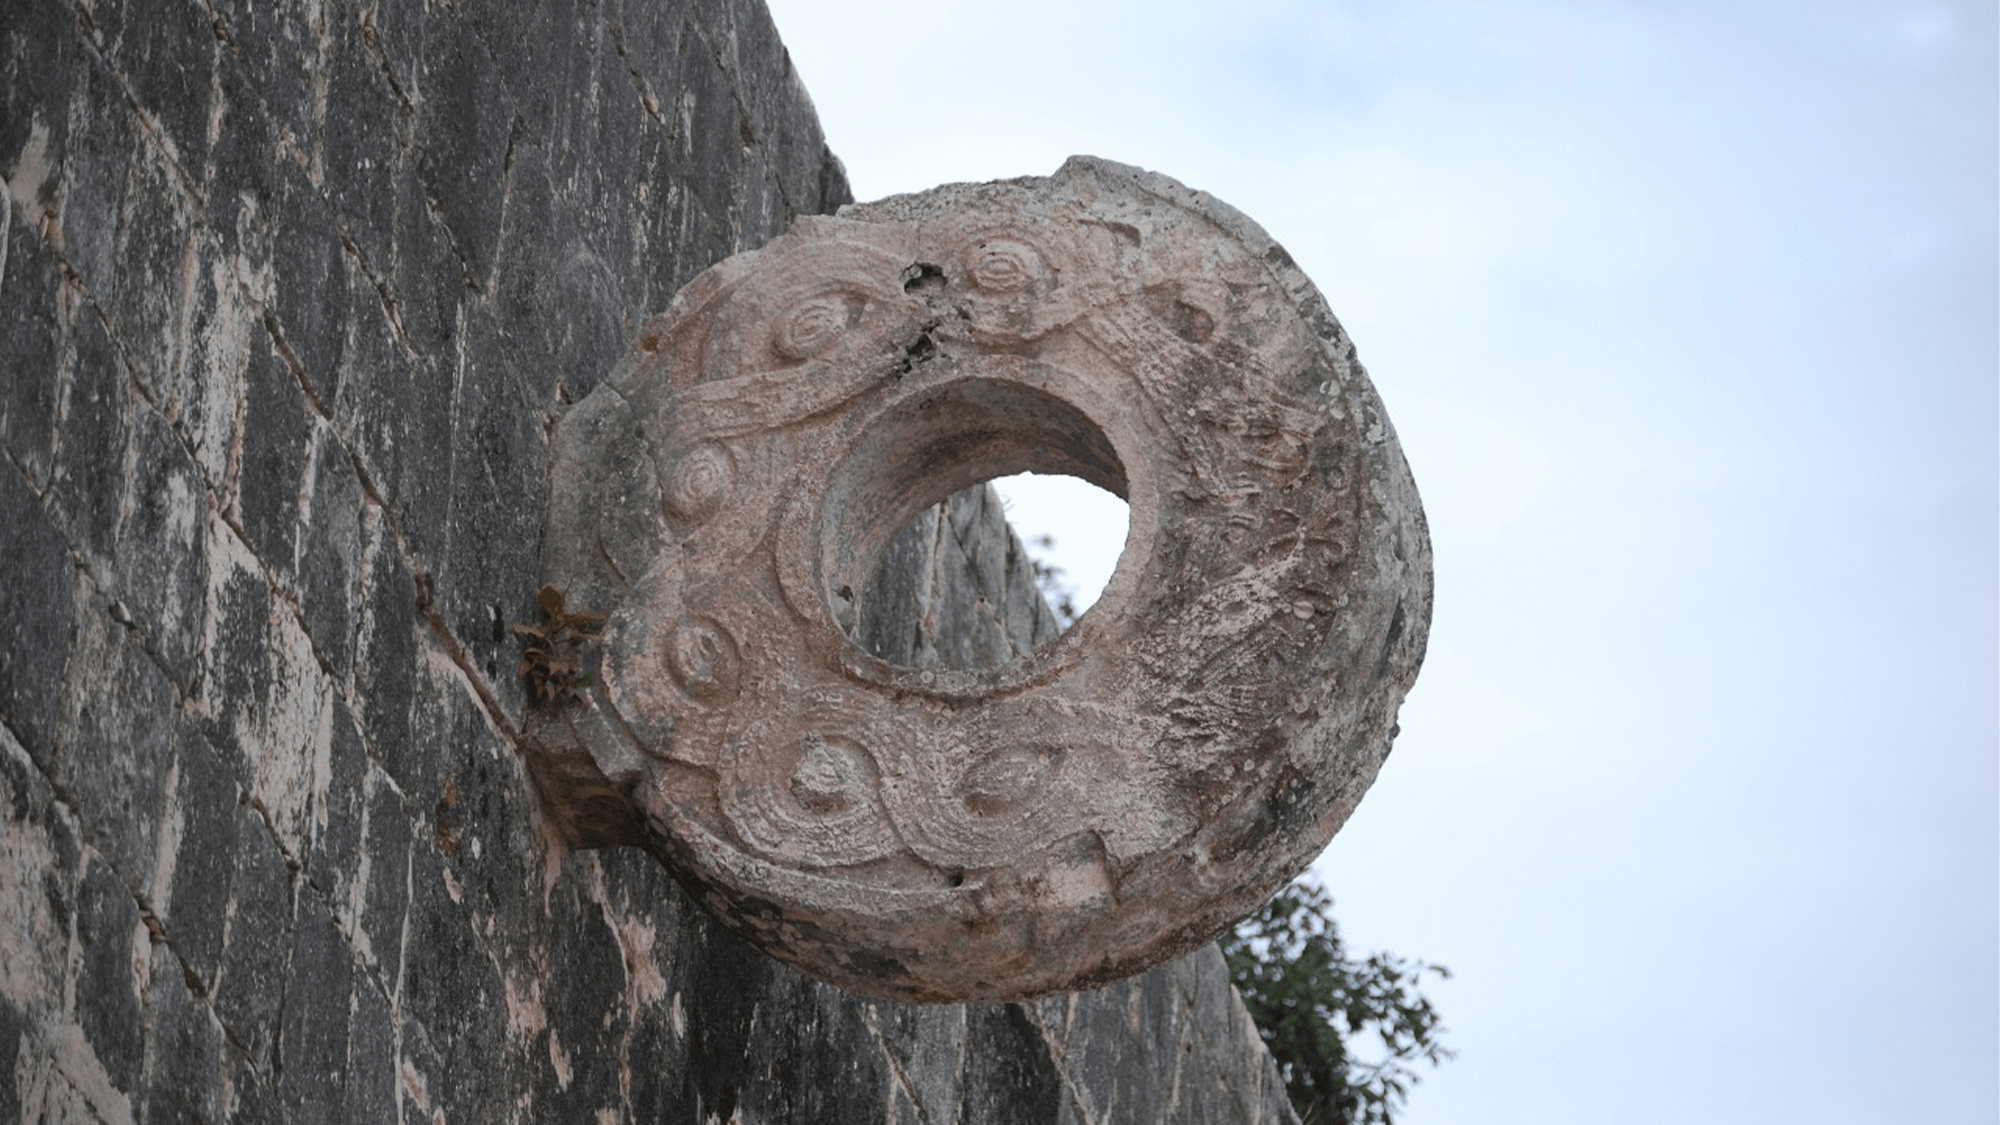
699 482
1107 802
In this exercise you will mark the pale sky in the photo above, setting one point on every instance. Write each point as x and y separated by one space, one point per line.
1688 316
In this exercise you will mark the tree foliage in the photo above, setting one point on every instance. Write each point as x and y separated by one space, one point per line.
1347 1032
1059 595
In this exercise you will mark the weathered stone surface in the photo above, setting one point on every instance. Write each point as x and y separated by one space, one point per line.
270 453
184 1048
167 54
162 563
113 745
194 898
371 1090
112 941
329 577
89 479
277 436
313 1043
258 939
37 617
1012 821
30 288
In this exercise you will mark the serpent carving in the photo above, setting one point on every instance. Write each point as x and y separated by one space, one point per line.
1111 800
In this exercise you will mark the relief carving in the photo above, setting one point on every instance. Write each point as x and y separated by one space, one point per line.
1107 802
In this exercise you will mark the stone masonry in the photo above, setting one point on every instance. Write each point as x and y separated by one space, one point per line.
290 299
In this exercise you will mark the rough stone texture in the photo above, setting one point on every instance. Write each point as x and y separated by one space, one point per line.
281 339
1014 820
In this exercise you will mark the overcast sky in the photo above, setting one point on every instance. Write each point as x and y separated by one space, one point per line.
1688 316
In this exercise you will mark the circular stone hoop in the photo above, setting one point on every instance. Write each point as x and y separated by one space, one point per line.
1115 798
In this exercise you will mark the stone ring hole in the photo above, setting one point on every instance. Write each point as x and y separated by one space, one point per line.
1070 525
902 497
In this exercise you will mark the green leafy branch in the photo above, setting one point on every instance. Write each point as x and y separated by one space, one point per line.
1311 1002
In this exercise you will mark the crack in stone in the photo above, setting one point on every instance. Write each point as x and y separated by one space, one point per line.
896 1068
391 306
434 207
149 124
1059 1054
294 364
616 32
500 225
69 808
372 37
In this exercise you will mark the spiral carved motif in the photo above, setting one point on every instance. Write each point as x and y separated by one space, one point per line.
812 325
1005 266
699 482
1110 800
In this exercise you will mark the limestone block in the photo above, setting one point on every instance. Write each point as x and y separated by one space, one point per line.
1103 803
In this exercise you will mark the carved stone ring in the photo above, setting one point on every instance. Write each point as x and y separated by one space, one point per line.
1112 800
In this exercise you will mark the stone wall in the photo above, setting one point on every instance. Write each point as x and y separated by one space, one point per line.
290 296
